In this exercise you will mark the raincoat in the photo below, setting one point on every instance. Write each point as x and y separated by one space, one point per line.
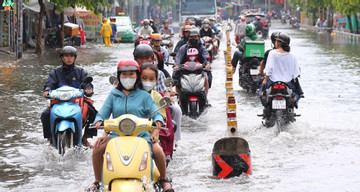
106 31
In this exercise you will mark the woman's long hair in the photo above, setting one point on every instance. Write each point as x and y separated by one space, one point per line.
284 46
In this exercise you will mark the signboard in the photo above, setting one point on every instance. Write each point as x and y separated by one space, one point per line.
5 29
7 4
92 26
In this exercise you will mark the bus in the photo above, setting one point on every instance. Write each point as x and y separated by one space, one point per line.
204 9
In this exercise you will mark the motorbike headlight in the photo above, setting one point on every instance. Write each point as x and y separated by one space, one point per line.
64 95
127 126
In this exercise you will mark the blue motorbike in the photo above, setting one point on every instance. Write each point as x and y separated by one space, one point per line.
66 120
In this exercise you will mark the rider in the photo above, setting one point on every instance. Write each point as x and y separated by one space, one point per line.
181 33
114 30
240 30
152 25
263 62
167 30
184 39
127 98
282 66
206 30
216 30
71 75
145 29
250 36
181 58
258 23
156 44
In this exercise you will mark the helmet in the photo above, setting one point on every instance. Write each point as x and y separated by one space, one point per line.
146 22
187 28
112 19
166 21
274 35
194 32
192 52
212 19
206 21
105 20
243 19
68 50
283 38
141 22
156 37
250 28
257 17
143 50
128 65
151 20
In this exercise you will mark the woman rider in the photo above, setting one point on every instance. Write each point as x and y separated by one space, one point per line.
282 65
127 98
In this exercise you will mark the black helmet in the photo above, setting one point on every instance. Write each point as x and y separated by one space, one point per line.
68 50
283 38
151 20
143 50
274 35
194 32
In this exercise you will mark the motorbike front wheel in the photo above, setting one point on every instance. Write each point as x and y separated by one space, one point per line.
64 139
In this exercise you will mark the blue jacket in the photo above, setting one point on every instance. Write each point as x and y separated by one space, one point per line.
138 102
66 75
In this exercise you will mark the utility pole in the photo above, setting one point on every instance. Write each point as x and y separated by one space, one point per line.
19 30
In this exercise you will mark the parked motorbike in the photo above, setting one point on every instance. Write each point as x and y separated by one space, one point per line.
66 116
249 77
278 101
283 19
52 38
128 164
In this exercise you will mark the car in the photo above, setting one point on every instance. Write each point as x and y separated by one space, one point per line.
125 29
251 17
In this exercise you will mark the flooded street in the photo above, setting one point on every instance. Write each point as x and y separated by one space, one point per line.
319 152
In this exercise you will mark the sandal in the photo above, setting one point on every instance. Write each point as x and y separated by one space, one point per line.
94 187
167 188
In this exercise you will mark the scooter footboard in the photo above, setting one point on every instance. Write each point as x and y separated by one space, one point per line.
125 185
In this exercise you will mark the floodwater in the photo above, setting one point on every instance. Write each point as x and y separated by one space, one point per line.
319 152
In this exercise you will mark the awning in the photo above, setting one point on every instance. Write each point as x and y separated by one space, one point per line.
34 5
78 11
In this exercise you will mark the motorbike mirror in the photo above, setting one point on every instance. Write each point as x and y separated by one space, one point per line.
169 82
164 102
208 58
113 80
87 79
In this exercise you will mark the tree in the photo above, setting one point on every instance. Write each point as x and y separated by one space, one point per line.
348 8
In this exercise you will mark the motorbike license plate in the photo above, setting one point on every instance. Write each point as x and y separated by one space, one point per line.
254 72
118 38
278 104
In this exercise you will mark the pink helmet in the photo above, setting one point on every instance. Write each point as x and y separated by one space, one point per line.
192 52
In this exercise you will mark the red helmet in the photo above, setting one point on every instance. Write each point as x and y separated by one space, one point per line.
128 65
243 18
258 17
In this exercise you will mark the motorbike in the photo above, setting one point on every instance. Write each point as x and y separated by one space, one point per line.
192 96
294 22
283 19
143 39
249 77
210 47
53 38
166 42
278 101
128 164
67 118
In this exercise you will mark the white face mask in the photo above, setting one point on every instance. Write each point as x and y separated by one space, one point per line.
128 83
148 85
192 58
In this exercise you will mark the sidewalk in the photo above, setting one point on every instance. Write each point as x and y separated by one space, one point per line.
6 56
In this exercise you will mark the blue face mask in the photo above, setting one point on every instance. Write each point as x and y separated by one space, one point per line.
146 26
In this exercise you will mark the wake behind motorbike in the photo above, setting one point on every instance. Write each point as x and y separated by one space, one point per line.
278 101
128 163
67 118
249 77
